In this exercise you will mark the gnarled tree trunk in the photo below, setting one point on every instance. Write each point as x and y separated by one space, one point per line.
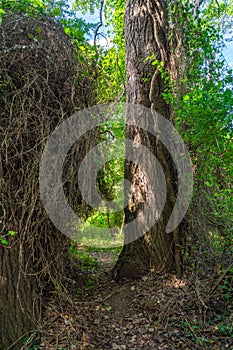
145 35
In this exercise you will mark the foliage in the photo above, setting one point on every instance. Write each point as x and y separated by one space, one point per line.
111 77
85 260
203 105
4 238
30 342
109 184
100 236
59 10
85 6
113 62
109 64
110 61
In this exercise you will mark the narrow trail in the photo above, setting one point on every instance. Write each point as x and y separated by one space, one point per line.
156 312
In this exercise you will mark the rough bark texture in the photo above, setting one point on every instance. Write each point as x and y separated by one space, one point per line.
18 301
145 34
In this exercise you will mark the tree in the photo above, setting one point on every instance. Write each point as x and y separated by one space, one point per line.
183 79
146 37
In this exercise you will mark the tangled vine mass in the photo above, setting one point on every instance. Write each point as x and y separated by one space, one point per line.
41 84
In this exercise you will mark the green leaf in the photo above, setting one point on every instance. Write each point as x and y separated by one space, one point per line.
4 241
12 233
38 30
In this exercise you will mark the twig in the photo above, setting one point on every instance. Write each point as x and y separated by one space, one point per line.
18 340
217 283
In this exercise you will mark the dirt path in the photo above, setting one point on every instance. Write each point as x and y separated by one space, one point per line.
156 312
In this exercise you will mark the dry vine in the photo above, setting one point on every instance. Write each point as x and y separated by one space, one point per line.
41 84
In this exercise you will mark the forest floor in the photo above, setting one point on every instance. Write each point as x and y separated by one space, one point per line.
155 312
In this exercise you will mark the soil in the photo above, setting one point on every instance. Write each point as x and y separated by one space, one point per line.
155 312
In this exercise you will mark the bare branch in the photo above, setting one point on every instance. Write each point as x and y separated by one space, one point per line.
100 23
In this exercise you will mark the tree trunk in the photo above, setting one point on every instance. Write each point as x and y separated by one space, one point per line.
145 34
18 301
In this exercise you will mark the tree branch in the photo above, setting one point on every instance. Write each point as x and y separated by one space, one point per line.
100 23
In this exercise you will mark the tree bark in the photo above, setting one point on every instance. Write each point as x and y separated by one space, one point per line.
145 34
18 301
